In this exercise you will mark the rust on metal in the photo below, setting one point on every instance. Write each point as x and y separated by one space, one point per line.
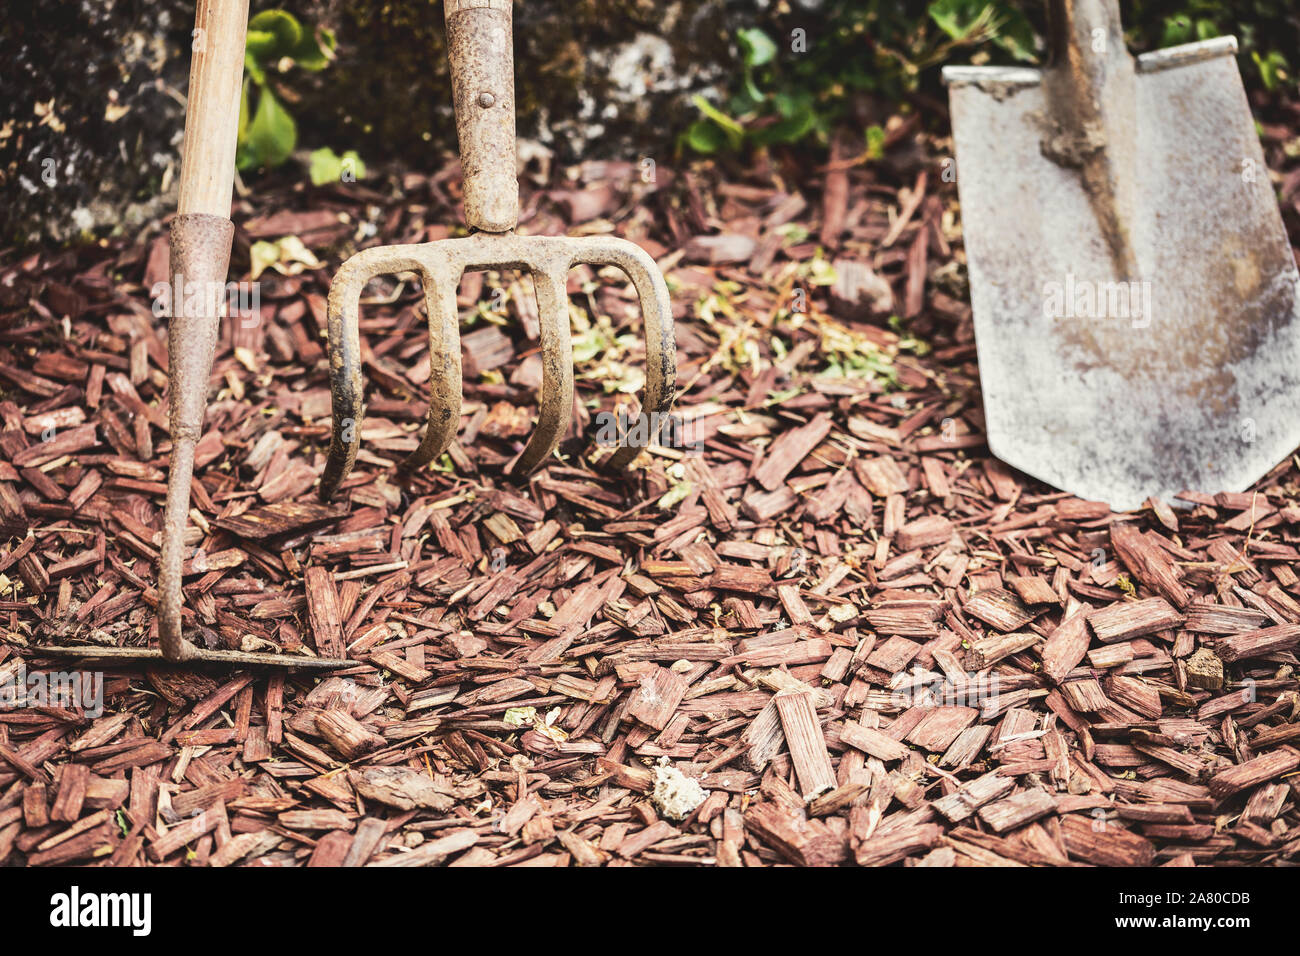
199 262
479 45
200 254
200 259
440 266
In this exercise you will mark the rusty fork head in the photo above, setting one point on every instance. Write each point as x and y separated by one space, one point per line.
479 47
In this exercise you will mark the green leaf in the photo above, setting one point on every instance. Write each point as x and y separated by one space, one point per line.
287 256
1016 34
262 255
875 142
276 34
792 233
589 345
520 716
790 130
790 105
675 495
243 112
245 158
1272 69
258 43
1178 29
273 34
958 18
705 137
272 133
722 119
748 101
756 47
734 132
326 167
254 69
315 50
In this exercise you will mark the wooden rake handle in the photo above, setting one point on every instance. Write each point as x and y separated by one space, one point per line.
200 253
212 107
480 51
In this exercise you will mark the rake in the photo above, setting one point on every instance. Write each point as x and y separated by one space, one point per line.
479 48
201 235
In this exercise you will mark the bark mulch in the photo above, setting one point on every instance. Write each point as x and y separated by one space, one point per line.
827 606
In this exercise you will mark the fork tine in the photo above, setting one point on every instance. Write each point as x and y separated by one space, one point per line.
345 365
660 342
556 403
444 370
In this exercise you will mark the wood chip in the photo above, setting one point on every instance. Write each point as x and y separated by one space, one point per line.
803 735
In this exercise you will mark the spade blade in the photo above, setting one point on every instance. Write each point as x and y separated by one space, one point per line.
1180 375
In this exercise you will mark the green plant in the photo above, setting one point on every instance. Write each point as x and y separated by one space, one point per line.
328 167
801 77
1267 31
276 43
798 94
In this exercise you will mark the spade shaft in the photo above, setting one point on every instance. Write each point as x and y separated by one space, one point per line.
1090 93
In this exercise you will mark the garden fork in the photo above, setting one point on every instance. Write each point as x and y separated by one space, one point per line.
479 48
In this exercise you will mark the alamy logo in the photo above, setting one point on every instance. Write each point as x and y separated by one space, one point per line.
617 429
76 909
76 690
180 298
1082 299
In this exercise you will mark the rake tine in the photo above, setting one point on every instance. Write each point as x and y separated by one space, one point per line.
112 656
660 342
444 370
345 372
556 403
201 235
200 250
